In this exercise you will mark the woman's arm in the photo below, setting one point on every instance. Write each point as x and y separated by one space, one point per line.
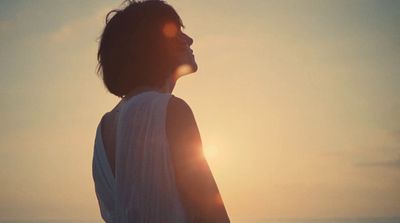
195 182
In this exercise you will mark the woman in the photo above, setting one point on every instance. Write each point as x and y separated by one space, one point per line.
148 164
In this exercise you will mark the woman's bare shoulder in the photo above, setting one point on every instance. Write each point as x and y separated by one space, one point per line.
180 122
178 104
178 111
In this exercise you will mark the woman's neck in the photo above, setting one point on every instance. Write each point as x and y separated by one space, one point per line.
168 87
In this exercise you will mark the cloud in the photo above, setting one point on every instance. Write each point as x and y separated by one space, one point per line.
5 25
62 33
396 134
392 163
75 29
7 29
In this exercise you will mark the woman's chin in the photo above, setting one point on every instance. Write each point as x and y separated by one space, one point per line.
194 67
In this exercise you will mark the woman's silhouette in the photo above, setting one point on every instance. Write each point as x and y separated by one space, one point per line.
148 164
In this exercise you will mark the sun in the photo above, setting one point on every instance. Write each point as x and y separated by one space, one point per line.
210 152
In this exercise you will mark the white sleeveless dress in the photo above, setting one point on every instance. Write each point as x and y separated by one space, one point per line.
144 189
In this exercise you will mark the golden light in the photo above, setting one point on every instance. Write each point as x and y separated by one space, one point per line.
183 69
170 29
210 152
218 199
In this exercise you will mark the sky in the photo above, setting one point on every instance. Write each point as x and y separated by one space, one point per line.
297 102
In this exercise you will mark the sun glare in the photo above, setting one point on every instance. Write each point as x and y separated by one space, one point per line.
210 152
183 69
170 30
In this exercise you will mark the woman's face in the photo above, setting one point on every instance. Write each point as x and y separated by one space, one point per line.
179 49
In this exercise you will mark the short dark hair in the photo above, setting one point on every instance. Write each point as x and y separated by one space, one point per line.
132 49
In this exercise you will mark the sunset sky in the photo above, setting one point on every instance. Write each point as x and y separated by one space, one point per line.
297 102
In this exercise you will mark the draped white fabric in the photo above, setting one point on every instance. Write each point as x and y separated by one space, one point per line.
144 189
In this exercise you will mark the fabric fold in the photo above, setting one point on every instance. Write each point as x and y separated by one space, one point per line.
144 188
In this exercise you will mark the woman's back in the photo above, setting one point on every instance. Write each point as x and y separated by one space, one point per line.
108 133
144 187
